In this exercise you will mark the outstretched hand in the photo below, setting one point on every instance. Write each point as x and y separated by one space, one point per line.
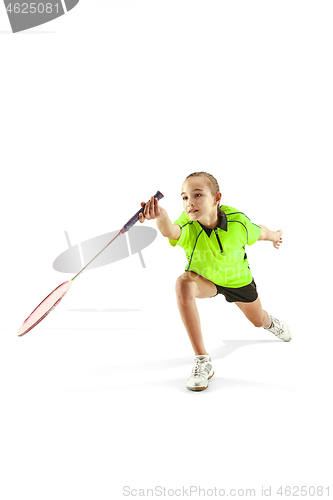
277 238
152 210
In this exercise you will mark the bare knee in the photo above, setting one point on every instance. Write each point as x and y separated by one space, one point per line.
185 288
258 323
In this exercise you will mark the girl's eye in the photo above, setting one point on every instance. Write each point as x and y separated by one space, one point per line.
185 197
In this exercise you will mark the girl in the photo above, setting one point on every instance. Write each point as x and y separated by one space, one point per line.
214 239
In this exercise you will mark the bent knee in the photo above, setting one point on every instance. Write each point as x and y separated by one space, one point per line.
258 323
185 287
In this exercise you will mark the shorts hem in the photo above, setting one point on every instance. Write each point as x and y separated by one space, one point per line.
247 293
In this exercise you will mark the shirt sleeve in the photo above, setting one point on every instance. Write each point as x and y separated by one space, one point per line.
182 222
253 231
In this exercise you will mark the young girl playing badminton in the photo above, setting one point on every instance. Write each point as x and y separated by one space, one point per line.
213 237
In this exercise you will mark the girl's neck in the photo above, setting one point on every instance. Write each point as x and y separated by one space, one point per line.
210 221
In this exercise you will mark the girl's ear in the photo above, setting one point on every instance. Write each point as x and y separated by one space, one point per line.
218 197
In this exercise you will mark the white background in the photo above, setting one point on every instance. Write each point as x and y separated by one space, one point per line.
99 109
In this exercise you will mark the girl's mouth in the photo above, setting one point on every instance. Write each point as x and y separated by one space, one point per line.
192 211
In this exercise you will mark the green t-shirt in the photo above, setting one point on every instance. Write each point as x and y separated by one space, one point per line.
219 254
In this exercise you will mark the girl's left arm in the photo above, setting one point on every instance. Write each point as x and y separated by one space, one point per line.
274 236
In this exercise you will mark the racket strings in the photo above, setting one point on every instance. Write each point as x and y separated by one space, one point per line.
44 307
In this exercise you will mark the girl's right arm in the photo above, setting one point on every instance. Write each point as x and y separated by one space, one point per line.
154 211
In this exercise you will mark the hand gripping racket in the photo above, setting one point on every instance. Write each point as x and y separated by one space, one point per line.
52 300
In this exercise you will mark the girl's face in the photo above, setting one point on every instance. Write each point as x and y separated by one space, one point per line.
198 201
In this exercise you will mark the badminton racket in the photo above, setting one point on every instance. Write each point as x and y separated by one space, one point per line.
52 300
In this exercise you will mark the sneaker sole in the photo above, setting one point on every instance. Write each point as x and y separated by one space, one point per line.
200 388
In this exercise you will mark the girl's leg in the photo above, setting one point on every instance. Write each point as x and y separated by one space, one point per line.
255 313
190 286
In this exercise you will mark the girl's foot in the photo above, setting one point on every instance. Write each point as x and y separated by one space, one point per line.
280 329
202 372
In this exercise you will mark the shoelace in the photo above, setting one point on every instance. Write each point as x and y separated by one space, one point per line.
198 367
277 330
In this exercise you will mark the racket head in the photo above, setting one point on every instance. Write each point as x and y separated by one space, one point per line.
44 308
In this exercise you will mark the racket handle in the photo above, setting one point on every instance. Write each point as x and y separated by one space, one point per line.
135 217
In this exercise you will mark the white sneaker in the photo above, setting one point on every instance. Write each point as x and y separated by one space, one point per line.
202 372
280 329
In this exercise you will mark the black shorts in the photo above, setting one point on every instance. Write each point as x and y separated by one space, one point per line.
247 293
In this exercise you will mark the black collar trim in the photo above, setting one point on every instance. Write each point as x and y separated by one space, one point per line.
222 224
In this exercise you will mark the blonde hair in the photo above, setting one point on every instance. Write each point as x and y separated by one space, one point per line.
213 186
